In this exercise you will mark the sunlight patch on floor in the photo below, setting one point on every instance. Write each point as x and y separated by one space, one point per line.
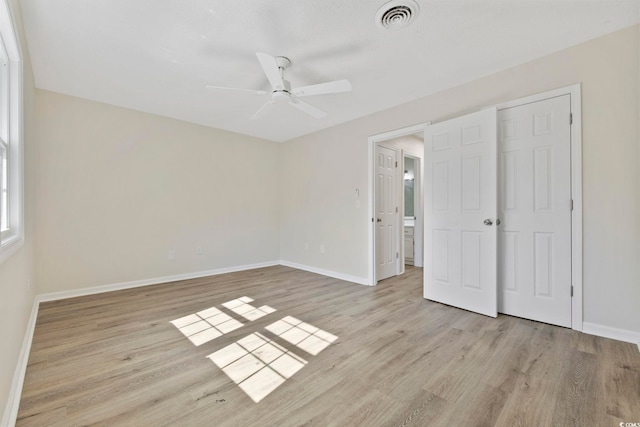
209 324
303 335
206 325
242 307
257 364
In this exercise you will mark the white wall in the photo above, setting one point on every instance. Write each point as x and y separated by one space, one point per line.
318 182
117 189
328 165
16 294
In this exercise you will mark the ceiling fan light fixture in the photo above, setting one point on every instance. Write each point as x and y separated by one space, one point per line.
397 14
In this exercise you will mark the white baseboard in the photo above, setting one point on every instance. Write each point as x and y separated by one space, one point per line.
15 393
53 296
329 273
613 333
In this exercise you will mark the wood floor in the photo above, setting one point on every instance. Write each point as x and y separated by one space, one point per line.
115 359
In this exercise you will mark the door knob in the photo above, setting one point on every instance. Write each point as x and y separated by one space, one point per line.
378 220
488 221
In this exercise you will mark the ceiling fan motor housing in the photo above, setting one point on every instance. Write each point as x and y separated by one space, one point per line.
283 62
284 94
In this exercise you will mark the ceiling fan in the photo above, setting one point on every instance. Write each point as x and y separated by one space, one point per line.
281 92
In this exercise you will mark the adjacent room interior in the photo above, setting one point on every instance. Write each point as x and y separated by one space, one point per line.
405 212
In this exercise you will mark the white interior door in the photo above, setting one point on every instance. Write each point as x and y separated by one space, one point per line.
386 212
460 212
535 209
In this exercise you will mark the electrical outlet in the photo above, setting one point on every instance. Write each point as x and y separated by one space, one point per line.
199 250
172 254
321 249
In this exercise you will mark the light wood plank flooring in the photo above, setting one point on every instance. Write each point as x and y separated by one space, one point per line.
115 359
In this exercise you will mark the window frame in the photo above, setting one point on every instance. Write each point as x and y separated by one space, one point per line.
11 117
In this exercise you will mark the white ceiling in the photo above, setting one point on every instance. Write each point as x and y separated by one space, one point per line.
157 55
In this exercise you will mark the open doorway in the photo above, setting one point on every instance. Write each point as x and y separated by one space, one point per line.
396 234
412 190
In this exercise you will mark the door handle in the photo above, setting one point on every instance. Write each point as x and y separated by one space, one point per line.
488 222
378 220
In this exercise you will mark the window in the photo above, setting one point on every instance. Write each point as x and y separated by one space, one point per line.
11 227
4 192
4 147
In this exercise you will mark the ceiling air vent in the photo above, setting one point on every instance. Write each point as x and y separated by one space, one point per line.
397 14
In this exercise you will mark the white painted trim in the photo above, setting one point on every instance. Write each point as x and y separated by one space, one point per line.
372 141
371 255
576 223
536 97
15 392
409 130
328 273
625 335
147 282
576 189
400 217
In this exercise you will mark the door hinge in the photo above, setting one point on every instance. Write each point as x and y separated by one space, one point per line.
396 163
570 118
572 290
571 204
397 255
396 209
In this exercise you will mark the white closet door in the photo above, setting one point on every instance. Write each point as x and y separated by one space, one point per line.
386 212
535 209
460 212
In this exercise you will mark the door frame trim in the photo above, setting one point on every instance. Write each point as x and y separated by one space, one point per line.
576 188
371 144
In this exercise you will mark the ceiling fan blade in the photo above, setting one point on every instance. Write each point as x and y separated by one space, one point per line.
264 109
337 86
271 70
307 108
233 89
